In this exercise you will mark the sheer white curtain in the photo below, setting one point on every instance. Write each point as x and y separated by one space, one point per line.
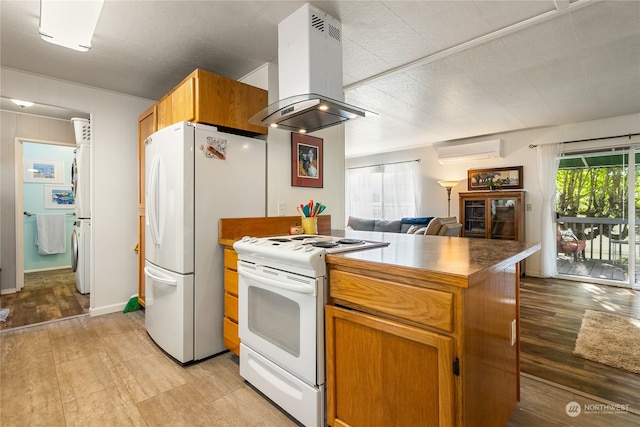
399 190
364 192
383 191
547 161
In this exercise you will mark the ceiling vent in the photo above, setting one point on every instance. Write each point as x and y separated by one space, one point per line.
465 153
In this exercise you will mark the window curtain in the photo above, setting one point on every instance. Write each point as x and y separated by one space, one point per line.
383 191
364 188
547 162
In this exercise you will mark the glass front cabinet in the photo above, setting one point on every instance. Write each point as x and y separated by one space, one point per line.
492 214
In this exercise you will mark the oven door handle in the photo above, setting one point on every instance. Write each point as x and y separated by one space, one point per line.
308 289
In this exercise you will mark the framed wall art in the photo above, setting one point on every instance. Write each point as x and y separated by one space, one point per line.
43 171
495 179
58 197
306 161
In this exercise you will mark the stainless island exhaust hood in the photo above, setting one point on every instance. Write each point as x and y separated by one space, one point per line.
307 113
309 75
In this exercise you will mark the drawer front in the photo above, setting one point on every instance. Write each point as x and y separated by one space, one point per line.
427 307
231 307
230 259
231 281
231 337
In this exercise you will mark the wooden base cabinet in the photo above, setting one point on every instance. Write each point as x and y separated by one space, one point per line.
230 323
412 348
403 364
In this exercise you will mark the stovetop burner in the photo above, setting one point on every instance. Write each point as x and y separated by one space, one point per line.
325 244
351 241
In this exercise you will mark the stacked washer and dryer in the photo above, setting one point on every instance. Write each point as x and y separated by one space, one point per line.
81 185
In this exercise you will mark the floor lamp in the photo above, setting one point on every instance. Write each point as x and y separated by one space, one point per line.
448 185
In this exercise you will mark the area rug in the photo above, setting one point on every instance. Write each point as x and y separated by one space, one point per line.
610 339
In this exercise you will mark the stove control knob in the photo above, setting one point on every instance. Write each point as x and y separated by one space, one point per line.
296 247
253 240
246 238
308 248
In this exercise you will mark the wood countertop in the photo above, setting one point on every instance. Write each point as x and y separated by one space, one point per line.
456 261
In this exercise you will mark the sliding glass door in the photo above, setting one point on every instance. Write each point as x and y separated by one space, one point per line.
598 209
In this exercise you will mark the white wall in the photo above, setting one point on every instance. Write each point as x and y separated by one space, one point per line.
433 198
114 179
279 175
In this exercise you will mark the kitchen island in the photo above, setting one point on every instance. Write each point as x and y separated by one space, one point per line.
424 332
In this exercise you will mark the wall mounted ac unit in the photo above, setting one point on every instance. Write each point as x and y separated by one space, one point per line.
470 152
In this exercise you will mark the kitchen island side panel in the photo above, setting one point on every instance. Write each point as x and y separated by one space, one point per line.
489 365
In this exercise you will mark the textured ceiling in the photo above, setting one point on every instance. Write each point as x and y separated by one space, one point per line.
433 70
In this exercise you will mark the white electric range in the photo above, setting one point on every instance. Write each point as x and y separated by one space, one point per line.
282 293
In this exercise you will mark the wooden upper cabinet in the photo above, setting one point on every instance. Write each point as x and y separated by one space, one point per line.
164 116
183 106
204 97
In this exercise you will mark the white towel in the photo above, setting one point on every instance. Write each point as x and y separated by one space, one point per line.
51 233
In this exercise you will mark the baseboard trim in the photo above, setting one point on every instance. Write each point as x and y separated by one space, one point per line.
107 309
33 325
37 270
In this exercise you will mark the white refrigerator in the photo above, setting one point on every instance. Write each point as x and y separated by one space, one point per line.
194 175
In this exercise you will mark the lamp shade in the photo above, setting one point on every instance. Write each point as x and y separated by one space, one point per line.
69 23
448 184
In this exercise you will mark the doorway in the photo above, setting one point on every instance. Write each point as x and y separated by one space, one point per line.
598 209
44 286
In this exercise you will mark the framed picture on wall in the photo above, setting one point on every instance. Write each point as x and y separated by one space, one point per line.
306 161
495 179
43 171
58 197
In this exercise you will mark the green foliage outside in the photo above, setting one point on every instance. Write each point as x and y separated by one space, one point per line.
595 192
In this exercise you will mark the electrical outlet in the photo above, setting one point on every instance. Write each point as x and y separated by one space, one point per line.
514 332
529 207
282 208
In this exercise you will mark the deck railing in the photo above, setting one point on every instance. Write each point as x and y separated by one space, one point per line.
606 238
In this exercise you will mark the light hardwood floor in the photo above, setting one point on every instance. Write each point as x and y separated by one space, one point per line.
105 371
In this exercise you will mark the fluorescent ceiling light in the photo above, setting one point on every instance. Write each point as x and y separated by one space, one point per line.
69 23
22 103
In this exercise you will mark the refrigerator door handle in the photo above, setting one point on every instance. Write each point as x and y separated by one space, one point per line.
152 199
164 280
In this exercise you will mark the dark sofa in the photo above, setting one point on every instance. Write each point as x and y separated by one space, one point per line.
426 225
